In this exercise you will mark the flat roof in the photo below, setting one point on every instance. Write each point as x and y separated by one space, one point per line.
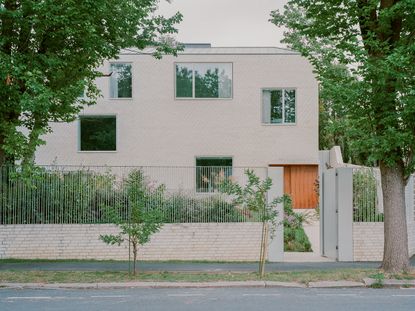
218 51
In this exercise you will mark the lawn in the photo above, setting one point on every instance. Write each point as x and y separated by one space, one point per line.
13 276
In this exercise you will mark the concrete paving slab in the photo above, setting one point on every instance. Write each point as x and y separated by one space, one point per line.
389 282
305 257
284 284
335 284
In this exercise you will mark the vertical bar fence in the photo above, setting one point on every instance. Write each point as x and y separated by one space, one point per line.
89 195
367 205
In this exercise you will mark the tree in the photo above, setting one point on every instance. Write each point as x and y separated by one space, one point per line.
144 219
49 52
333 121
375 41
253 197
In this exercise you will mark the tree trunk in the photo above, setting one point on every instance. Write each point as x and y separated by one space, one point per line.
263 250
134 258
395 256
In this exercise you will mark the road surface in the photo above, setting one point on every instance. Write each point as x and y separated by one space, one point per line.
229 299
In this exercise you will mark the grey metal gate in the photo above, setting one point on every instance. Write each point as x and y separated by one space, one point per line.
328 213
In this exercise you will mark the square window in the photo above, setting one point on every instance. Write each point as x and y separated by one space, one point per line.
204 80
211 172
278 106
121 81
98 133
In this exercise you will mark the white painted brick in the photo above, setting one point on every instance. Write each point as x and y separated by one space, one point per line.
228 241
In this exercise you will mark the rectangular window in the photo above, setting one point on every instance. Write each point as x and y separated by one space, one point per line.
204 80
278 106
210 172
98 133
121 81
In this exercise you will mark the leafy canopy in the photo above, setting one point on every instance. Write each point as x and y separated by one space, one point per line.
375 41
49 52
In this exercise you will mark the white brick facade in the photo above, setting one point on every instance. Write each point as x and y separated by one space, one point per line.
156 129
204 241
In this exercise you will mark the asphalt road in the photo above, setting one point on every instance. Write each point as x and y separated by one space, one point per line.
229 299
183 266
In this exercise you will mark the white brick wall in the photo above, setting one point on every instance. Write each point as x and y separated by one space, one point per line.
367 241
411 238
156 129
204 241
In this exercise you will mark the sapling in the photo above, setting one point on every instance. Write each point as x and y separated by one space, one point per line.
144 217
253 197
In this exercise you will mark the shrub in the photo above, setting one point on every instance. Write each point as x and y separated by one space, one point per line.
184 208
83 196
295 239
365 197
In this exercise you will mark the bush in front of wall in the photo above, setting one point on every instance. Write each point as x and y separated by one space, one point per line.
365 197
295 239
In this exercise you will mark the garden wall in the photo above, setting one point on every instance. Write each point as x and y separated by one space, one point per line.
190 241
368 240
411 239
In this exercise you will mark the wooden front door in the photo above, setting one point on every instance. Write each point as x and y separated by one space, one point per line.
300 184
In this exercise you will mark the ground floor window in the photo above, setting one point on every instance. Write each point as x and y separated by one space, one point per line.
210 172
97 133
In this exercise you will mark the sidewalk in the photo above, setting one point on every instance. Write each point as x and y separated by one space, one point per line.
223 284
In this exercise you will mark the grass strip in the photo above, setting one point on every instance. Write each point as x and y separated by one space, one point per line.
11 276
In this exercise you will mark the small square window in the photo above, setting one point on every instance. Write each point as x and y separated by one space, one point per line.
121 81
278 106
211 172
98 133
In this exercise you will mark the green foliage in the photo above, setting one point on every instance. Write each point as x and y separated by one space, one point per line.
181 208
49 197
295 239
379 278
253 197
49 52
365 197
333 125
373 43
142 221
84 196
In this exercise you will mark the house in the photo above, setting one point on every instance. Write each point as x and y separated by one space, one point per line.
207 107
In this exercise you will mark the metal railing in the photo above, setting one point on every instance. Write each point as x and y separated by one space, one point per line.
83 195
367 203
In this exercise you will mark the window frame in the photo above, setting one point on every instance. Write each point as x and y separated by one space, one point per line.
209 157
193 82
283 106
97 116
132 81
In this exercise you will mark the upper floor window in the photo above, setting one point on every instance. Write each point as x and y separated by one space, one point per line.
278 106
121 80
97 133
204 80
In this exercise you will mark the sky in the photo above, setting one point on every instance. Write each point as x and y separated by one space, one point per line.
226 22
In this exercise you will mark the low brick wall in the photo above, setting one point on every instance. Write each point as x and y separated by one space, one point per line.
367 241
411 238
193 241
